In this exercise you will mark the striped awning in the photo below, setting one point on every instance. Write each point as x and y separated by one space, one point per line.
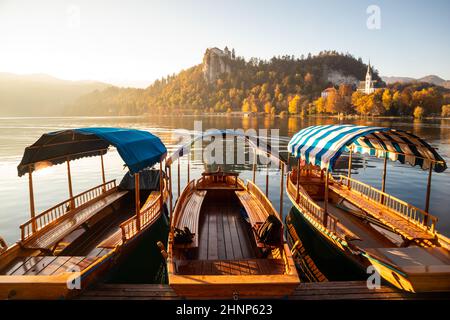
322 145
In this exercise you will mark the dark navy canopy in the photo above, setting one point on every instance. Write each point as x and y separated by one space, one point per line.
138 149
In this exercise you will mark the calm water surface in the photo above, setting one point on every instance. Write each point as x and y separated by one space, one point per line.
50 184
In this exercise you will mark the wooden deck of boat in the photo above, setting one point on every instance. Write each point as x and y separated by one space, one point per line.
348 290
55 232
383 214
233 267
368 236
223 234
47 265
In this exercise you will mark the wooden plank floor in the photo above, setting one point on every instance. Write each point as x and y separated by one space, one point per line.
224 234
370 237
46 265
382 213
348 290
231 267
58 231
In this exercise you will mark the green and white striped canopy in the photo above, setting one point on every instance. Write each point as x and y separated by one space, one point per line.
322 145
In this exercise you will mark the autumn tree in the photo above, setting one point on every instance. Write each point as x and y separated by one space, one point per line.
294 104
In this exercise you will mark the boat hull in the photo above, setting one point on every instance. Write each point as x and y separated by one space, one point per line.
336 262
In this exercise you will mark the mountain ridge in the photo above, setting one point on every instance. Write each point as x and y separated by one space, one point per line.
433 79
41 94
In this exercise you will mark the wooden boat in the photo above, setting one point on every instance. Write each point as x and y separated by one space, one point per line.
370 226
67 247
226 258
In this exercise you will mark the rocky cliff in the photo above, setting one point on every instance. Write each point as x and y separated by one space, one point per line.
215 63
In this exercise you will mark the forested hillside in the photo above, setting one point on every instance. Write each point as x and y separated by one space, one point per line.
251 85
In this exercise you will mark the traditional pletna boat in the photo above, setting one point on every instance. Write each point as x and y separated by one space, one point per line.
69 246
367 225
217 246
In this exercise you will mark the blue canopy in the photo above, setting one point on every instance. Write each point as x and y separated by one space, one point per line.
138 149
322 145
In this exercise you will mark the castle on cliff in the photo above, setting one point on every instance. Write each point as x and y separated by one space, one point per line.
216 62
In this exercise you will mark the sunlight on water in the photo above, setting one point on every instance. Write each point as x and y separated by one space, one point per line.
51 187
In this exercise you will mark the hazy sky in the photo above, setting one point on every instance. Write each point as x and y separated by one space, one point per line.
134 42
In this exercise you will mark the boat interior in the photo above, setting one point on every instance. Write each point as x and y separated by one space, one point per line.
77 232
223 213
371 221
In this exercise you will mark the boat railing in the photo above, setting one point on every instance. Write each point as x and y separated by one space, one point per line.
65 208
255 191
147 217
313 209
413 214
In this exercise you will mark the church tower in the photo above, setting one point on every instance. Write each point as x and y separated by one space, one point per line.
368 87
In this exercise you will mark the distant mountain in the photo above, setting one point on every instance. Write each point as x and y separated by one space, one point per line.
40 94
433 79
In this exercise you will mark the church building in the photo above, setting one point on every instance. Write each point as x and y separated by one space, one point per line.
367 86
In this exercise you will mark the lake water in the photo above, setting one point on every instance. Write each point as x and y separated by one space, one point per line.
50 184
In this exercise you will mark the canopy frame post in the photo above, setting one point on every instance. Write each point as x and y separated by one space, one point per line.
281 189
298 180
254 166
31 192
427 199
383 181
69 178
288 160
349 175
189 166
179 182
161 186
325 206
137 201
267 175
170 192
103 173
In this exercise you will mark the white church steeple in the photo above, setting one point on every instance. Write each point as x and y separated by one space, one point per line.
367 86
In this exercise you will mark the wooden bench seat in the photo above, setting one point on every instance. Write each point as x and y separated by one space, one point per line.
255 211
383 214
49 237
256 214
190 216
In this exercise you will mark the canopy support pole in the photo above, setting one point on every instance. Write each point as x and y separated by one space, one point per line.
137 201
69 177
103 174
189 166
325 206
267 177
30 187
427 200
170 192
298 180
179 182
349 167
281 190
383 181
288 160
161 186
254 166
